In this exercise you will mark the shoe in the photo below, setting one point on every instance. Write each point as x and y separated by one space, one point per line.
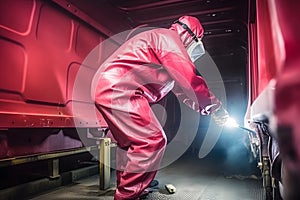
144 194
153 184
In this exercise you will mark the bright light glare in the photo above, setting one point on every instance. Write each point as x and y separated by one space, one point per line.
231 122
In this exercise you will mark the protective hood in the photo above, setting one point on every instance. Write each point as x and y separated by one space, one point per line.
193 24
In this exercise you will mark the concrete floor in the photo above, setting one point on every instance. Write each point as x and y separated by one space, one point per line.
193 178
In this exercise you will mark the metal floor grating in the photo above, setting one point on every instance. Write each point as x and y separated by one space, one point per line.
193 179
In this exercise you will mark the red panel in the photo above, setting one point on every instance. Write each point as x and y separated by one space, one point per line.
266 53
87 40
54 29
41 51
13 67
79 81
47 65
265 48
14 19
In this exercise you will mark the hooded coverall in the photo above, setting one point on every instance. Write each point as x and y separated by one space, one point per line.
142 71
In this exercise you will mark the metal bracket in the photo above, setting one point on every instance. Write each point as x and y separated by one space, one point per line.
104 163
53 168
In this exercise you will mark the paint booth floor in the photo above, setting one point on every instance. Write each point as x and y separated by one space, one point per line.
194 179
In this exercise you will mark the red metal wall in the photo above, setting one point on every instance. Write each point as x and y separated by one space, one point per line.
265 48
42 48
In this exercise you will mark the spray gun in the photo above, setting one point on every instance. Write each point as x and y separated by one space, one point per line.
231 122
253 136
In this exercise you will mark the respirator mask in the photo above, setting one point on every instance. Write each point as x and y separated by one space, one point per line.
196 48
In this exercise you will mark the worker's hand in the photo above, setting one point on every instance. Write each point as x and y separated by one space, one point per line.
220 116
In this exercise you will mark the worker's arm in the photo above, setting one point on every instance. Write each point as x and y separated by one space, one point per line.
189 87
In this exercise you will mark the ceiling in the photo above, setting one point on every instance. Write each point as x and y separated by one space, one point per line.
225 23
220 18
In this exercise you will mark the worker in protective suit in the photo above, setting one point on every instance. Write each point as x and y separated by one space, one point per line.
142 71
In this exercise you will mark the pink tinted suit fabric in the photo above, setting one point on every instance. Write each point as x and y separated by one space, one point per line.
142 71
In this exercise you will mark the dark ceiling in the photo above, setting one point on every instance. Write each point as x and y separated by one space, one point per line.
220 18
225 23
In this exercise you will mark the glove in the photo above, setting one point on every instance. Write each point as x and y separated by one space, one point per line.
220 116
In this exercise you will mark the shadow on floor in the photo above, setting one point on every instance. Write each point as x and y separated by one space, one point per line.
194 179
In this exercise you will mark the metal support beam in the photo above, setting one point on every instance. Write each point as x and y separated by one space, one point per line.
104 163
53 168
37 157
